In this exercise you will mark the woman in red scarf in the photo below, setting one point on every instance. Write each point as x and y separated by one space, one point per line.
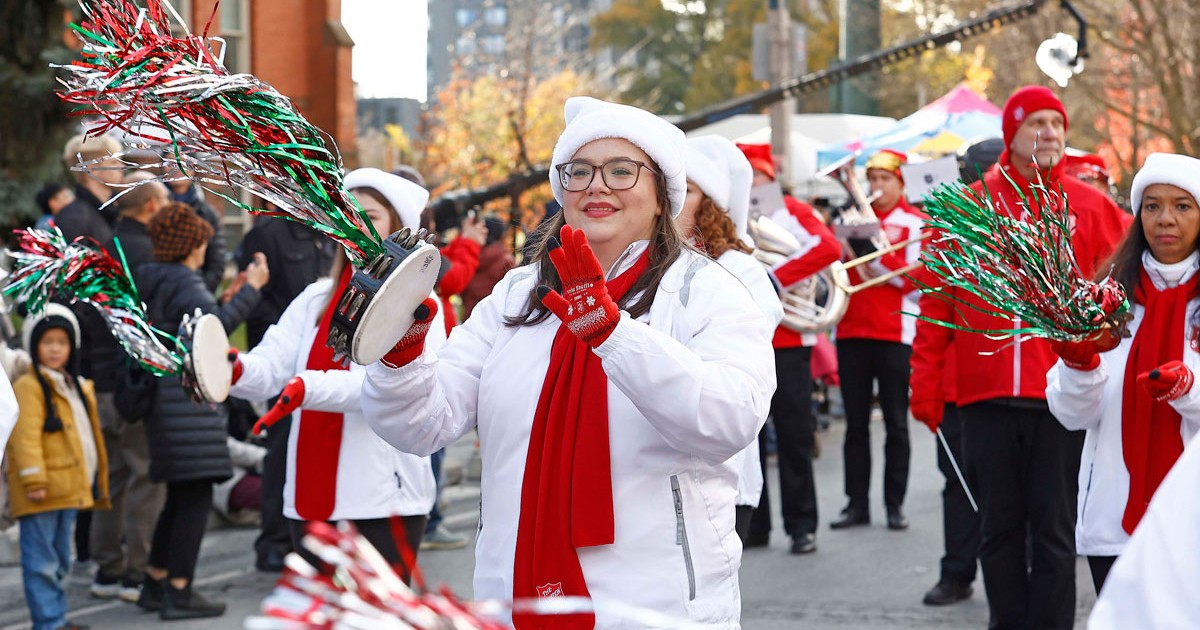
611 381
1134 396
337 468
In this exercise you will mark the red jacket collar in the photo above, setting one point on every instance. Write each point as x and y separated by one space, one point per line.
1053 174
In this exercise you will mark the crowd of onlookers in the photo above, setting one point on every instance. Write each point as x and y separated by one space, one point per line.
96 487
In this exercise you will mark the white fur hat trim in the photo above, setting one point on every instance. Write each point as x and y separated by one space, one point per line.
1166 168
51 309
406 197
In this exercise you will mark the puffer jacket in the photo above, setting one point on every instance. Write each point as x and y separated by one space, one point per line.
187 439
689 385
53 461
374 480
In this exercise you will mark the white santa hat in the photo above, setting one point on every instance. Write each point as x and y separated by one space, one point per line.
406 197
591 119
1166 168
722 171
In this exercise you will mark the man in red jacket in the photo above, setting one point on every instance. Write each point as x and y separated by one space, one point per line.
791 405
1023 462
874 345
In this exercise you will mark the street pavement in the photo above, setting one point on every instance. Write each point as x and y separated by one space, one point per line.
862 578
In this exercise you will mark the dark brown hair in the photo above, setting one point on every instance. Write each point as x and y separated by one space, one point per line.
665 246
716 230
340 260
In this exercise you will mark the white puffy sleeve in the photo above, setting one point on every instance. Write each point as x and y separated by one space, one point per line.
272 363
707 395
1074 396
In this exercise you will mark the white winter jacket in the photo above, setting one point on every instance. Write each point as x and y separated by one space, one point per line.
689 386
754 275
374 479
1153 584
1092 401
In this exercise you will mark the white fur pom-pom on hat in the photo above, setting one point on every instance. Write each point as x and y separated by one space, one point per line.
1166 168
736 173
406 197
591 119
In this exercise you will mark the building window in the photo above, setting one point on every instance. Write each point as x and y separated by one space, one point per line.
465 46
465 17
493 45
184 8
235 30
496 16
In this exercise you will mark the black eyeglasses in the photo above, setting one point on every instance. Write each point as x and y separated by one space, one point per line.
619 174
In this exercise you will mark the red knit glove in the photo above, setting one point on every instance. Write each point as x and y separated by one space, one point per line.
929 411
237 365
1167 382
1085 355
412 344
289 399
584 305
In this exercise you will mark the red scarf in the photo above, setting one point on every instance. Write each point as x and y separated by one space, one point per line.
319 441
1149 429
567 496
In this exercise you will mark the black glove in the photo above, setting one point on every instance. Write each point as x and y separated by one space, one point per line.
861 246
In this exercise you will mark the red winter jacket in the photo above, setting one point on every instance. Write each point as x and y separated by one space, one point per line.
987 368
818 249
876 313
463 254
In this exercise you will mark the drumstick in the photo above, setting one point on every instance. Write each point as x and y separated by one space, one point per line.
954 464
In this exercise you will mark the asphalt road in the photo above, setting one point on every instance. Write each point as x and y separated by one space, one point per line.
865 578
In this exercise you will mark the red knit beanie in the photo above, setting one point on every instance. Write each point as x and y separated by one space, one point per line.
1024 102
759 156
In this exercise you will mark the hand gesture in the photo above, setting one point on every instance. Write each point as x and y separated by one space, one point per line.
928 411
584 305
1169 381
475 229
412 344
37 496
289 399
257 272
1085 355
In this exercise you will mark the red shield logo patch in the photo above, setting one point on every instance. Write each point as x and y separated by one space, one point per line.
553 589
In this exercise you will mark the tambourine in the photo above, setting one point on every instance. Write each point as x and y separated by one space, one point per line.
377 308
207 374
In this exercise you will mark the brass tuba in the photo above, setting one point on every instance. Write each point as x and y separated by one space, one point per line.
812 305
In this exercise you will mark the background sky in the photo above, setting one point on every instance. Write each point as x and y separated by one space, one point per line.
389 46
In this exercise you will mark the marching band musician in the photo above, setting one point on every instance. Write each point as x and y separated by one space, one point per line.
611 381
874 345
1137 426
713 219
1022 461
791 406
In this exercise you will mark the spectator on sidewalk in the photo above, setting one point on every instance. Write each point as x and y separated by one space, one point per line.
186 191
495 260
303 256
187 439
120 537
56 462
50 199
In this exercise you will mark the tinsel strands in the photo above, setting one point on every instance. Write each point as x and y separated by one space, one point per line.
1019 268
171 97
47 266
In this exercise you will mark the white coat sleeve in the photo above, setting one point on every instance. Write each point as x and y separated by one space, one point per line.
1188 406
1075 397
340 391
8 413
754 275
272 363
431 402
706 396
1154 582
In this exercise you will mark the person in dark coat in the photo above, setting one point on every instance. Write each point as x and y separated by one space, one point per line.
301 256
213 270
187 439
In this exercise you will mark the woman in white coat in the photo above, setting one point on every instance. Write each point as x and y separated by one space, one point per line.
714 219
337 468
1134 396
611 382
